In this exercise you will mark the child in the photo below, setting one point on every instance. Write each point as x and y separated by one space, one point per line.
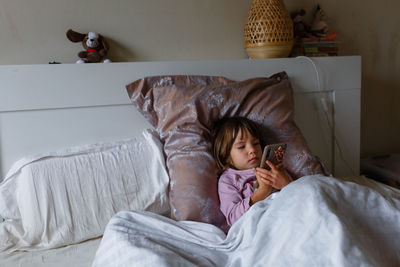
238 151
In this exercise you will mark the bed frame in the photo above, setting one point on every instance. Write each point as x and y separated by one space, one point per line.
48 107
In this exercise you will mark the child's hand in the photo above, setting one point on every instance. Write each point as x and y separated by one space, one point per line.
263 191
276 177
262 182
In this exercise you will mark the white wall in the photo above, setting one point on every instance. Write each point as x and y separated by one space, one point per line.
33 32
371 29
152 30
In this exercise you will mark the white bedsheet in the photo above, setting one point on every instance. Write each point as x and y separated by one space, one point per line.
76 255
314 221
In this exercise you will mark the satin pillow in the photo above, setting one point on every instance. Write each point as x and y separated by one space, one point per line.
182 109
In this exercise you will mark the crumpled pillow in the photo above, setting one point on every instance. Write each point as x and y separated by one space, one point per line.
68 196
182 108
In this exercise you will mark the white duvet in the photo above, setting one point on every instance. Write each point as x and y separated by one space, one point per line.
314 221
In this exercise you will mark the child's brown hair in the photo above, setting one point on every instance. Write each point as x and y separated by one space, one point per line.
224 132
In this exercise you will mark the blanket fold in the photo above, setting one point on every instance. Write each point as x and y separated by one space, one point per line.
314 221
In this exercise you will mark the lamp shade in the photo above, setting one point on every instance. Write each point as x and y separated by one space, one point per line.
268 31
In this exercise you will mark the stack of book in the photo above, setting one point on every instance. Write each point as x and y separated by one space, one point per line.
315 47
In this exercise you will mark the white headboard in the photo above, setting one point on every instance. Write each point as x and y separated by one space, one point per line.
48 107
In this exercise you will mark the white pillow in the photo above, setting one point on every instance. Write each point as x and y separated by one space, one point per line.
68 196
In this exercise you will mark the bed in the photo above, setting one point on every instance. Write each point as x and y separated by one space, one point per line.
68 111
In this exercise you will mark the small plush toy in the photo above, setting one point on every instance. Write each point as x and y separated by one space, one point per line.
319 27
300 28
95 45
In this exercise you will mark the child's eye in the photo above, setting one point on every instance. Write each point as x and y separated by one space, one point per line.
240 147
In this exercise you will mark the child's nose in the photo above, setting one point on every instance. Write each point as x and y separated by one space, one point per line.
252 149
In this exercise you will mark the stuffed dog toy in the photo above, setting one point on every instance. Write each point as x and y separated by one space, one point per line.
95 45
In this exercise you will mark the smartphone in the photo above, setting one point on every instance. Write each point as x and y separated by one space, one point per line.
273 153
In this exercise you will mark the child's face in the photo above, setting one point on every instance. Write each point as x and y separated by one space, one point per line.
246 151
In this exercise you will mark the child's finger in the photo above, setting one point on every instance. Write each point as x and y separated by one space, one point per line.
267 181
263 175
263 171
271 165
269 178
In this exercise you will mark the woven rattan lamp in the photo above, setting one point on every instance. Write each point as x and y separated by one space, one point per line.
268 31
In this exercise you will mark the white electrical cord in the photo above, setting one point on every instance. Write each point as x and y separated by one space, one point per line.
324 104
316 71
321 105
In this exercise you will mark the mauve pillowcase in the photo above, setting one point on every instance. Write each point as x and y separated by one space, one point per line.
182 108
